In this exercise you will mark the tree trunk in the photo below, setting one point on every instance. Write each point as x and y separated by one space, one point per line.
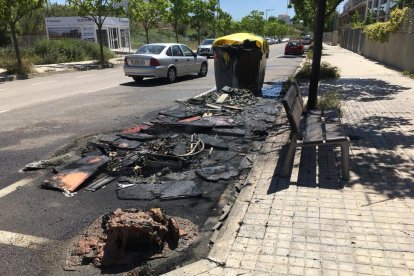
16 48
317 54
198 36
146 34
102 58
176 30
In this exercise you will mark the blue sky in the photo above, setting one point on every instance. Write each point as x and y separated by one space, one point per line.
241 8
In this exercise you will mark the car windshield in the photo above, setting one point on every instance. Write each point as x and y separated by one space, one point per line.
293 43
207 42
151 49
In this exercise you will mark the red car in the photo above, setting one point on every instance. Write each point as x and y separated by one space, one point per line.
294 47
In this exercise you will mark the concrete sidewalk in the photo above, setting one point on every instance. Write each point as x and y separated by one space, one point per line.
313 223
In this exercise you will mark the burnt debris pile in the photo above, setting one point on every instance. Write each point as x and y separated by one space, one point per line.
130 236
209 138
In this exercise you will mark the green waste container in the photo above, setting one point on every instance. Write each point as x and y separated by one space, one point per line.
240 61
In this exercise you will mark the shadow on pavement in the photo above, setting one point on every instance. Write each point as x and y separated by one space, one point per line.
291 56
366 90
380 157
152 82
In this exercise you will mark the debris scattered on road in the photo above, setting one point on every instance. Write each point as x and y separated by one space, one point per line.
215 135
217 173
52 162
164 190
76 173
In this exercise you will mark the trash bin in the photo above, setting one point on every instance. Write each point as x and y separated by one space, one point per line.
240 61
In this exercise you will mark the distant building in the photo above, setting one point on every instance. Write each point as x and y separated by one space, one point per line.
116 33
284 17
379 9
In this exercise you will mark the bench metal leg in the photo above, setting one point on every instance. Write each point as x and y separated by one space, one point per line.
345 159
289 156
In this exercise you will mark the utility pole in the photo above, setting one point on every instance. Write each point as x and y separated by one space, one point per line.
267 11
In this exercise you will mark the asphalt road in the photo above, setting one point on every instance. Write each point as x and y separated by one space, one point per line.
41 115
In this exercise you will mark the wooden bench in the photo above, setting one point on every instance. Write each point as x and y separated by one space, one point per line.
315 128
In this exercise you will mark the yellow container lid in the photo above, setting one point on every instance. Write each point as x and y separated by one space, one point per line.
239 38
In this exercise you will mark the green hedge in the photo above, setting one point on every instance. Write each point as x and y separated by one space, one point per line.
67 50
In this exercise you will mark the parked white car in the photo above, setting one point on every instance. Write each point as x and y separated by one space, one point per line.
164 60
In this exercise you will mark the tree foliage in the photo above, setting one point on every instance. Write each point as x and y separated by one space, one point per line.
178 14
306 10
253 23
11 13
97 11
150 13
224 23
202 15
57 10
275 28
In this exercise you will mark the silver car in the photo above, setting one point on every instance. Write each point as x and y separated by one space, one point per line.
164 60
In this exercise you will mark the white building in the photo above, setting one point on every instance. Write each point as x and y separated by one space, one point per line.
116 34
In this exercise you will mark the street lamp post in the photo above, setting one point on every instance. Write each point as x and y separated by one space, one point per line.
267 11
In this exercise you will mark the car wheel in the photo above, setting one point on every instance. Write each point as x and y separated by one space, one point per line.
203 70
172 74
138 79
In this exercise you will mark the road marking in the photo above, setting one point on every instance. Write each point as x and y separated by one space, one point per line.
22 240
44 82
4 111
2 89
85 76
99 89
14 187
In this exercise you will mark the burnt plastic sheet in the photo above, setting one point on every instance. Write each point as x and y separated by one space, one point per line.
235 132
179 113
189 127
180 148
136 129
179 189
140 192
75 174
220 121
107 138
166 190
211 141
247 161
217 173
142 137
126 144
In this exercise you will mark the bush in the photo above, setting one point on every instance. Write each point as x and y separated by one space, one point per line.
67 50
380 31
327 71
408 74
330 100
8 61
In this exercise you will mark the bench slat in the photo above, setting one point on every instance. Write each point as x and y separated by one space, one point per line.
295 115
334 132
289 98
331 116
313 131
